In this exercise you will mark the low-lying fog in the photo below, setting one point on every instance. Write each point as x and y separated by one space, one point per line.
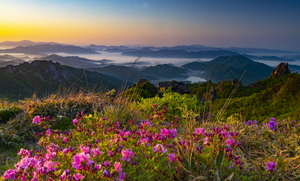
118 59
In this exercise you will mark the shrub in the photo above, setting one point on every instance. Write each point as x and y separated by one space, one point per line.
179 106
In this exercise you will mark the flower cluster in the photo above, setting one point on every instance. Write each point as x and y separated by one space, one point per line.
219 137
40 119
271 166
101 149
96 152
272 124
251 123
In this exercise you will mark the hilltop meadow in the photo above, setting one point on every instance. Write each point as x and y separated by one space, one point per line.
243 134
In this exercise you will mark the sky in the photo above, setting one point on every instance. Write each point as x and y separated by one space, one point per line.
273 24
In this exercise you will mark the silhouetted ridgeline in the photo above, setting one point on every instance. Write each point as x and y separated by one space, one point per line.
166 53
49 48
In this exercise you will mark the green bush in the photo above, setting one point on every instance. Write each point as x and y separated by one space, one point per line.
179 106
9 113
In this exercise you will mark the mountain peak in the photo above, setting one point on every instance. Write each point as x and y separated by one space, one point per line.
281 70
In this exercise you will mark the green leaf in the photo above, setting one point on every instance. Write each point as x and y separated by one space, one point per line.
230 177
220 158
200 178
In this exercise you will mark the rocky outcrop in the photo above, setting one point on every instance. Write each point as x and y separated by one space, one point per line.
142 89
10 69
211 95
179 87
235 81
142 83
145 85
55 73
40 69
281 70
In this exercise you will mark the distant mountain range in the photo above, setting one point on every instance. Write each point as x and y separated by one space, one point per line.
230 67
49 48
195 47
153 73
226 64
166 53
45 77
24 43
77 62
124 48
271 58
216 70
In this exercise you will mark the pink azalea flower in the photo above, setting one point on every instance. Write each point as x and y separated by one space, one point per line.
159 147
37 119
52 148
49 132
50 166
97 167
199 131
110 153
65 175
206 141
82 161
271 166
95 152
171 133
24 152
121 176
106 173
118 166
229 142
75 121
224 134
126 154
106 164
171 157
146 123
9 174
78 176
50 155
85 149
164 132
26 162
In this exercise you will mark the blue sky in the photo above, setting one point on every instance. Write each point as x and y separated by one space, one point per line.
221 23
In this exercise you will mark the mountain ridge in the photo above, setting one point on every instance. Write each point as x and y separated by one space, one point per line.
167 53
49 48
230 67
45 77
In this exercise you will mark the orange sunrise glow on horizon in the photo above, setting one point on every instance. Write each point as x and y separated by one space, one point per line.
267 24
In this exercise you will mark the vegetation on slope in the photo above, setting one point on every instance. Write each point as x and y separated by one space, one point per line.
91 137
102 136
43 78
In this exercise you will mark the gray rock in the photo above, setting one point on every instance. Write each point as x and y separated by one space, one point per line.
10 69
178 87
281 70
